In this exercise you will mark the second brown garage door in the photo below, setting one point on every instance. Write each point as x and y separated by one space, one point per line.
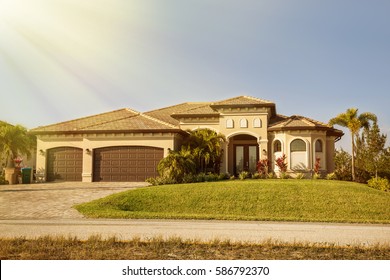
126 164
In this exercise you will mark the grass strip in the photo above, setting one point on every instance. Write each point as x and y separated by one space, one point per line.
96 248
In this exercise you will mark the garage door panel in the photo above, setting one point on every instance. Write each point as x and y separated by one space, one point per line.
126 163
64 163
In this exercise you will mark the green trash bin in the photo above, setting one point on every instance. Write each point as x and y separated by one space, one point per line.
26 175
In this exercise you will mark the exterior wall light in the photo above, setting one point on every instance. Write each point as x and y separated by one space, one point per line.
42 152
88 151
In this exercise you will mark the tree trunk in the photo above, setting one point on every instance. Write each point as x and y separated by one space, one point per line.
353 157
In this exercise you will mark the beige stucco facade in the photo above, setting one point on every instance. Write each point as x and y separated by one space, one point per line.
251 126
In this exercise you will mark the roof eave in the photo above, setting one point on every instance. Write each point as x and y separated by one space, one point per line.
330 131
179 116
171 130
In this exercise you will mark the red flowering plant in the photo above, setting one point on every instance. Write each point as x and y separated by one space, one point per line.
317 166
263 167
18 161
282 164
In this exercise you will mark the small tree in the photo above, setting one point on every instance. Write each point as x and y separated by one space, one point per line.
15 141
343 163
372 156
263 167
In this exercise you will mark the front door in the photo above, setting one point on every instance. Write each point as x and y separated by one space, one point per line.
246 158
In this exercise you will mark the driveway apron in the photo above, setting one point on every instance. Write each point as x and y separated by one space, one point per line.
54 200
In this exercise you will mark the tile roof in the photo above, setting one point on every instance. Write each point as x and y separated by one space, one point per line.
242 100
166 118
119 120
165 114
300 122
201 111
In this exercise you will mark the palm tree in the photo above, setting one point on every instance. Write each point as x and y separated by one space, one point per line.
206 147
354 122
15 141
176 165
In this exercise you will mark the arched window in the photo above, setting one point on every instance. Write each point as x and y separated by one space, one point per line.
229 123
244 123
318 146
299 156
298 145
277 146
257 123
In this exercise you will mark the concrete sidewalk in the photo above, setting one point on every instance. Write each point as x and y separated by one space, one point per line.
340 234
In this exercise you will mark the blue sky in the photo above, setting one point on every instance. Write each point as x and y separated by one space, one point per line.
64 59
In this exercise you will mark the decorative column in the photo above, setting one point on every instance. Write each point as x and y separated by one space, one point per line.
226 156
263 149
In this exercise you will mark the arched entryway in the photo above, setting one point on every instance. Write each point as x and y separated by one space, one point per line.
245 153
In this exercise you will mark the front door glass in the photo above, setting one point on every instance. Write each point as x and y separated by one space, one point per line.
246 158
252 159
239 159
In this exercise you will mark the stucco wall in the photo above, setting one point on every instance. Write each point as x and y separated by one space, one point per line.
310 138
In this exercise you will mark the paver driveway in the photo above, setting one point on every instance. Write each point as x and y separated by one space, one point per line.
53 200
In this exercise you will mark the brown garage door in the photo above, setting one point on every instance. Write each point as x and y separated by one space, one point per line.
126 164
64 163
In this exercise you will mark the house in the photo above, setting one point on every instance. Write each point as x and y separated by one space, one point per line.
125 145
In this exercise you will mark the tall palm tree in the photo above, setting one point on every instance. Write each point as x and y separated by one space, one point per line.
15 141
354 122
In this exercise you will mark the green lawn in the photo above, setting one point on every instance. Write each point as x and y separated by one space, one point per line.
274 200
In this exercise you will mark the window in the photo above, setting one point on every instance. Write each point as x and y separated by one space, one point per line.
229 123
318 146
257 123
244 123
298 145
277 146
299 155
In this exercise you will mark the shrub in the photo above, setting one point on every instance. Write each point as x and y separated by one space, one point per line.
201 177
284 175
160 181
256 176
379 184
3 181
331 176
188 178
243 175
300 176
316 176
343 165
211 177
271 175
223 176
